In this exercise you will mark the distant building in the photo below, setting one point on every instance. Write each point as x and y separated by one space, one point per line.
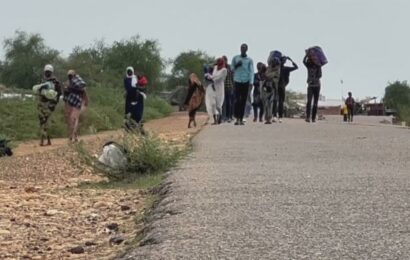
374 109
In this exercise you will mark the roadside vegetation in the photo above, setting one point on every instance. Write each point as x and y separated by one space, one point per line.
397 97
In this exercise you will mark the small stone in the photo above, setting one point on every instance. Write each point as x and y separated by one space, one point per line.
31 189
100 204
4 232
51 212
77 250
44 239
112 226
90 243
116 240
125 208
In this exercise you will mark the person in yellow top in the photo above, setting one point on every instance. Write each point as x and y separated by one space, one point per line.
344 111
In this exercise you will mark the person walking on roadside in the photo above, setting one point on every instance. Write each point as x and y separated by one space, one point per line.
194 98
216 93
76 101
242 67
270 88
257 102
314 73
350 107
134 98
227 109
283 82
48 92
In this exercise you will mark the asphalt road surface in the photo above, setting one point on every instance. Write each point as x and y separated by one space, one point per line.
287 191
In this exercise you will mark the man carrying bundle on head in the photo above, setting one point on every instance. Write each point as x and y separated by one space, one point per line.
313 60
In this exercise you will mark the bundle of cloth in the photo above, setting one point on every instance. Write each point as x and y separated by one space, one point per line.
317 56
46 90
274 58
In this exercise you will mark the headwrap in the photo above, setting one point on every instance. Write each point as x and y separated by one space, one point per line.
194 79
133 77
71 72
131 69
220 63
49 67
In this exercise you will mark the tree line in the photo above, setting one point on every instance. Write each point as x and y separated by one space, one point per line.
100 64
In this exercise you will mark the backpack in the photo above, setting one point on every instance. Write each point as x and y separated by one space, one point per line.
5 150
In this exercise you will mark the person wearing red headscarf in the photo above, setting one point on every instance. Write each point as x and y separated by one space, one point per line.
215 95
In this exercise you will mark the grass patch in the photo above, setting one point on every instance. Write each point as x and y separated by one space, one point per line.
148 158
143 182
19 119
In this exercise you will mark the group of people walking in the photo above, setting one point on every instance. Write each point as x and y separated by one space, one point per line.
228 88
76 100
49 93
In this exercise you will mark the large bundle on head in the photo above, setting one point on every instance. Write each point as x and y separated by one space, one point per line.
316 55
274 58
46 89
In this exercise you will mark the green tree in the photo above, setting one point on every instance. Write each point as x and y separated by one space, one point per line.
25 56
397 96
89 63
143 55
186 63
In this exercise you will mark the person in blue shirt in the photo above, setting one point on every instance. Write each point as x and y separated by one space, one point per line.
243 74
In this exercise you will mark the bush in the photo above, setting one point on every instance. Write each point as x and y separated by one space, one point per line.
147 155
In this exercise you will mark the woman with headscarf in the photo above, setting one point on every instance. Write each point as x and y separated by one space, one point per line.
76 100
194 98
134 99
48 92
215 92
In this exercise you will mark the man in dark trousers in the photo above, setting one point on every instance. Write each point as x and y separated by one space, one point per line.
242 67
350 107
313 80
283 82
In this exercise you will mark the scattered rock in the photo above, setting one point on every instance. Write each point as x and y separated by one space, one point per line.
4 232
125 208
51 212
116 240
90 243
100 204
77 250
112 226
31 189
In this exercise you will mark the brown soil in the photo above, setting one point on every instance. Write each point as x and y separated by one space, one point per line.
43 212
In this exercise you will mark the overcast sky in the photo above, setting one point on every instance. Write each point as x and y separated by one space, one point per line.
366 41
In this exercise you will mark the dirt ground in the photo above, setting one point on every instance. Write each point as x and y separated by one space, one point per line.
44 213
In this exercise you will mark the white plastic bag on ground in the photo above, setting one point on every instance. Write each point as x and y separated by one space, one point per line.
113 156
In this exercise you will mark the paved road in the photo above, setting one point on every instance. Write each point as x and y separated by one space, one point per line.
288 191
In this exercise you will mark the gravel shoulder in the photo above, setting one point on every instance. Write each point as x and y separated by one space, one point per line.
44 211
